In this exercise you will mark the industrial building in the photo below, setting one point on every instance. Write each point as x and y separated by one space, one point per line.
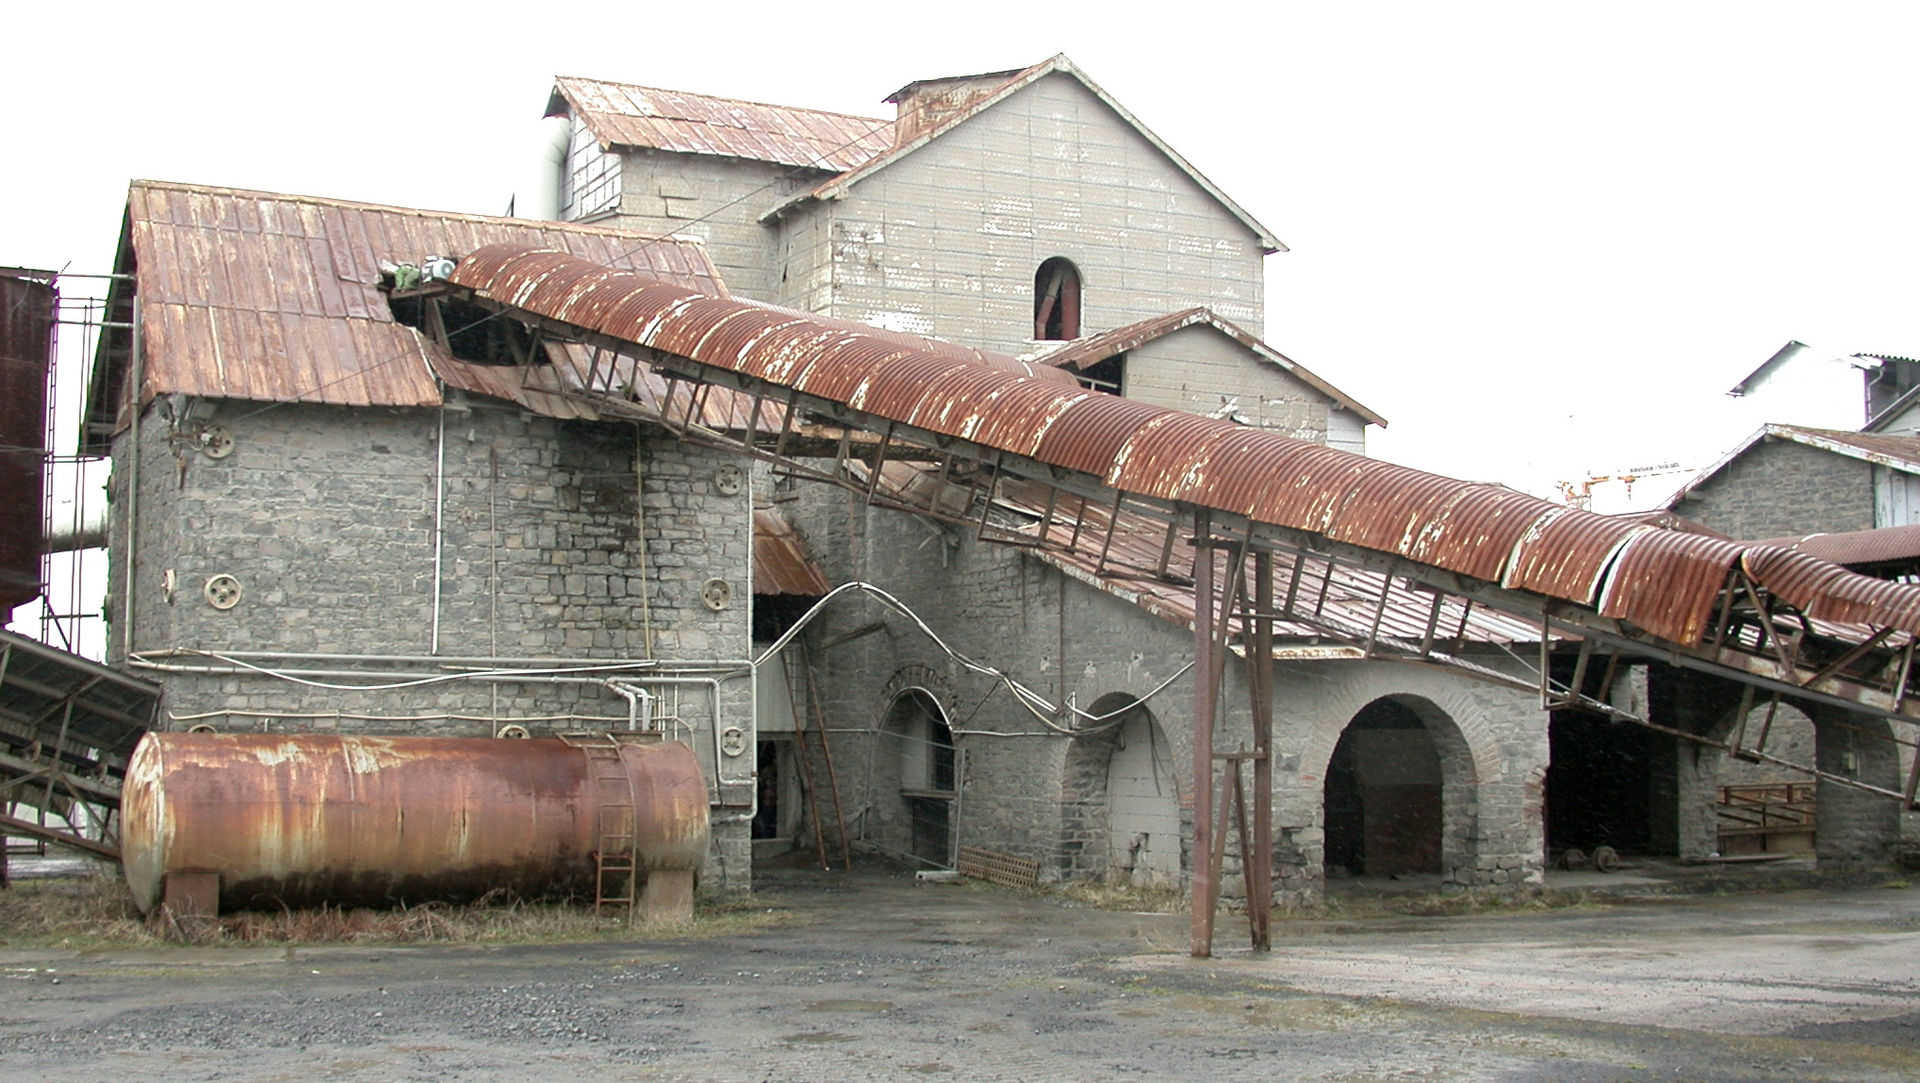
1107 581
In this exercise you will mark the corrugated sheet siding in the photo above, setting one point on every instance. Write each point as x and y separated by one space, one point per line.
948 237
1199 370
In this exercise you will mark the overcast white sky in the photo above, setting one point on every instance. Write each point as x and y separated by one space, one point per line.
1542 239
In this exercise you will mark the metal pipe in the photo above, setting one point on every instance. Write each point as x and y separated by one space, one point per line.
456 659
634 697
439 516
137 377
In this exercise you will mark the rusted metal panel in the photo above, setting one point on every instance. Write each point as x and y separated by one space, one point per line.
895 390
1828 592
301 819
266 297
1017 418
1887 545
623 115
1293 483
27 303
951 403
1388 507
1667 582
780 561
1092 431
1155 461
1477 530
1565 555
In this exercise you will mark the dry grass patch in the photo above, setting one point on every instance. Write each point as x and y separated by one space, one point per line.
97 911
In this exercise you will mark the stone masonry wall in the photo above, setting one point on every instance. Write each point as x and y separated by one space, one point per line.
1780 488
1035 793
326 518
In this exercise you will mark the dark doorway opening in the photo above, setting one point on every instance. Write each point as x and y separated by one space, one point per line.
1383 796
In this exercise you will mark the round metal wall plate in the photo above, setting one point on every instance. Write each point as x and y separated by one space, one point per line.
216 442
716 594
729 479
222 591
733 741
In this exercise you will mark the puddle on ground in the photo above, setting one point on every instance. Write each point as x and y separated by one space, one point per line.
818 1038
850 1006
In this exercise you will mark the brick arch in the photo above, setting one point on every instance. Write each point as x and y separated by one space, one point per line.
1470 757
1085 803
1460 713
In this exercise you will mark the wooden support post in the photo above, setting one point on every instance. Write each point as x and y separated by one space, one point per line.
1205 694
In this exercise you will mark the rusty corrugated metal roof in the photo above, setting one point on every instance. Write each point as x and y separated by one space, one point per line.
623 115
1079 353
1854 548
275 298
1662 581
780 561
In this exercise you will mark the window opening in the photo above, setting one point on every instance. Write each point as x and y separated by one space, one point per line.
1056 301
1109 375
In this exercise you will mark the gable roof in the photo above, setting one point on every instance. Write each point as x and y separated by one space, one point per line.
275 298
834 187
1899 452
1080 353
624 115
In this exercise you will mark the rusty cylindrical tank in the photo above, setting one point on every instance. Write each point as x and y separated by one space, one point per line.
306 819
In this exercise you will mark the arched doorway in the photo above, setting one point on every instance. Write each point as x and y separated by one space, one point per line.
917 743
1384 795
1143 799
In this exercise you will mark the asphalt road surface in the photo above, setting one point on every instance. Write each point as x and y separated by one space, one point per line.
868 976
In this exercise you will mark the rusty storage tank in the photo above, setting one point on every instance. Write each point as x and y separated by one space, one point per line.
308 819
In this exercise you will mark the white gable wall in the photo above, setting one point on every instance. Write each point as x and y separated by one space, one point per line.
1201 370
945 241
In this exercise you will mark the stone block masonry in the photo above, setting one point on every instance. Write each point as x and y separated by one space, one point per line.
391 538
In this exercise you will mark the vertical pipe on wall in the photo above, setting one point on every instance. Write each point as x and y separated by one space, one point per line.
1205 693
138 376
439 515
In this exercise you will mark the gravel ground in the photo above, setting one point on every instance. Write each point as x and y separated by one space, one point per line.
868 976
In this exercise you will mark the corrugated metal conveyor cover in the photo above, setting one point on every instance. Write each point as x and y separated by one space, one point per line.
1565 556
1829 592
842 365
1217 462
1173 463
1141 464
686 329
735 339
1092 431
950 408
1312 481
1477 530
1018 418
905 383
1387 505
1668 583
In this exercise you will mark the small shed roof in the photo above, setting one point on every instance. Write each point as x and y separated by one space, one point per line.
1093 349
624 115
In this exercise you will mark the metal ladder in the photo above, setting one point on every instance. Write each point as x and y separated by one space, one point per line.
615 872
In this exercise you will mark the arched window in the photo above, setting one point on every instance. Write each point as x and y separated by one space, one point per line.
1056 300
